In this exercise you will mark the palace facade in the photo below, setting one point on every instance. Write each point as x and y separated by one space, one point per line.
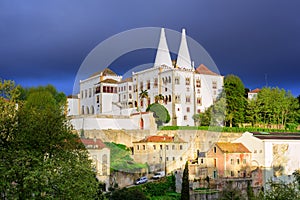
183 89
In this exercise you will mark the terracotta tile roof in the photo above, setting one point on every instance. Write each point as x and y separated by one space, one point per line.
162 139
202 69
109 81
228 147
105 72
257 90
127 80
93 143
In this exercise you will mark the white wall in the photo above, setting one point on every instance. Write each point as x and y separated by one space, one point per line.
111 122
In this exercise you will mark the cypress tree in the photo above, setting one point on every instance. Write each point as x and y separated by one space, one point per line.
185 193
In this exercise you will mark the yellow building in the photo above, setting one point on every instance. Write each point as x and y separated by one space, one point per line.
161 153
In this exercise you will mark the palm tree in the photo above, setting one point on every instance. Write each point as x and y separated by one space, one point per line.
158 98
143 94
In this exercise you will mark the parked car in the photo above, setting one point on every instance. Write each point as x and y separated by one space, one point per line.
158 175
141 180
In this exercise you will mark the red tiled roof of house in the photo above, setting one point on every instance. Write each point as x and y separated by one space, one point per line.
202 69
257 90
161 139
93 143
228 147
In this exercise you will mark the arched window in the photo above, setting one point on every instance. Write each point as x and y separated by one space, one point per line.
92 110
87 110
141 124
170 99
82 110
104 165
169 79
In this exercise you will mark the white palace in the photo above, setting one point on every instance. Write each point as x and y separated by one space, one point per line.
186 90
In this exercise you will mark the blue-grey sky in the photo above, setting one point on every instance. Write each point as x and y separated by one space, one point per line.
45 42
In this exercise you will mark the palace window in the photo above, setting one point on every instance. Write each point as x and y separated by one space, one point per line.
141 86
177 98
97 89
187 109
187 81
198 83
148 85
214 84
184 117
199 101
177 80
134 88
188 99
155 83
129 87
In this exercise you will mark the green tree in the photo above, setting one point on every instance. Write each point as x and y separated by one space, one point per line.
132 193
160 113
282 191
230 193
185 190
203 119
276 106
43 159
253 112
218 112
234 90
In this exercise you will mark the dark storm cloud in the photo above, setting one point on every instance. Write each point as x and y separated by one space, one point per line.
256 40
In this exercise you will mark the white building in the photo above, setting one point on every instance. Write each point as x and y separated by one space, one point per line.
186 90
100 156
276 154
253 94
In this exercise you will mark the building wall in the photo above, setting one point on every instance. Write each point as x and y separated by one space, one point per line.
276 158
228 164
161 156
103 122
256 146
73 106
101 161
183 96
